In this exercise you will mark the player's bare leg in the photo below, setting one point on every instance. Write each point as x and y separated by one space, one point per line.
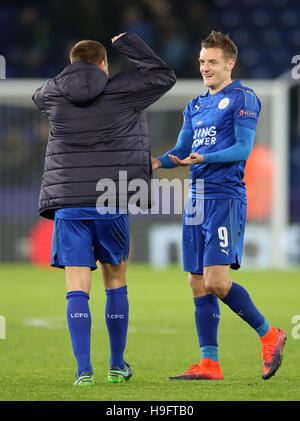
216 280
116 316
78 278
114 276
197 285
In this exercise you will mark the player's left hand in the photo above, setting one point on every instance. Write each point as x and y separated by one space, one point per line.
194 158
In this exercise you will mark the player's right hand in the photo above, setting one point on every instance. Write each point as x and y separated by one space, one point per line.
117 37
193 158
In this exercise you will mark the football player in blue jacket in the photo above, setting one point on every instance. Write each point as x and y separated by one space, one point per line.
98 128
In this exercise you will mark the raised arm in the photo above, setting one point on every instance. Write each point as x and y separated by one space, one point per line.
152 77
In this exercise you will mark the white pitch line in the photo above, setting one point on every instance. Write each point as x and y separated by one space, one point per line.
60 323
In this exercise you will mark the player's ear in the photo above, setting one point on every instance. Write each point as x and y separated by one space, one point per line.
231 63
101 65
104 66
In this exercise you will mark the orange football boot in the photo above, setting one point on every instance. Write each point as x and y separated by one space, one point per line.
206 370
271 352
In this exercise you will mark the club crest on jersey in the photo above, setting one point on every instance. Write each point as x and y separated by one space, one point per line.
223 103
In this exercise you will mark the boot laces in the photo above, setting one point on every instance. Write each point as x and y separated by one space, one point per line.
192 367
267 352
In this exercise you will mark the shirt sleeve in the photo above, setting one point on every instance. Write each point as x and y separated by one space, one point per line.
182 148
247 109
152 77
240 151
187 118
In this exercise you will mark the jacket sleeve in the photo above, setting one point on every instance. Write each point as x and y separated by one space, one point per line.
38 99
152 77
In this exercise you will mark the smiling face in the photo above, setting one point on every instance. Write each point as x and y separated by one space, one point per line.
215 68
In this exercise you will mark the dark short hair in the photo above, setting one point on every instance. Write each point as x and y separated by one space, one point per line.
88 51
219 40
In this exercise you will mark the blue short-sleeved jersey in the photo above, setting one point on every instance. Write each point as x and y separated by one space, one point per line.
212 119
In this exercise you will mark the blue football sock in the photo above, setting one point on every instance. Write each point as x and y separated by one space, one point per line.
116 317
207 317
263 329
239 300
79 322
210 352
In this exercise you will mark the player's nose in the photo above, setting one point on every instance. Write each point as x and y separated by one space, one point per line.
205 67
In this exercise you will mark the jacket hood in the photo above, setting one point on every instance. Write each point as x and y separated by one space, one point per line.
81 82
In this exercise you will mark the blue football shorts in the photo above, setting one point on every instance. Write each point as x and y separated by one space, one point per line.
216 237
83 242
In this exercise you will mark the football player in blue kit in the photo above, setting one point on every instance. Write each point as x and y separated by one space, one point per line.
98 130
216 140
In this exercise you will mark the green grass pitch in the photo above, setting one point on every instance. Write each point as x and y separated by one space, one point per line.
37 363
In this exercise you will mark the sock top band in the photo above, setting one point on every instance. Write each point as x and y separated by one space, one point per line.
77 294
122 290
